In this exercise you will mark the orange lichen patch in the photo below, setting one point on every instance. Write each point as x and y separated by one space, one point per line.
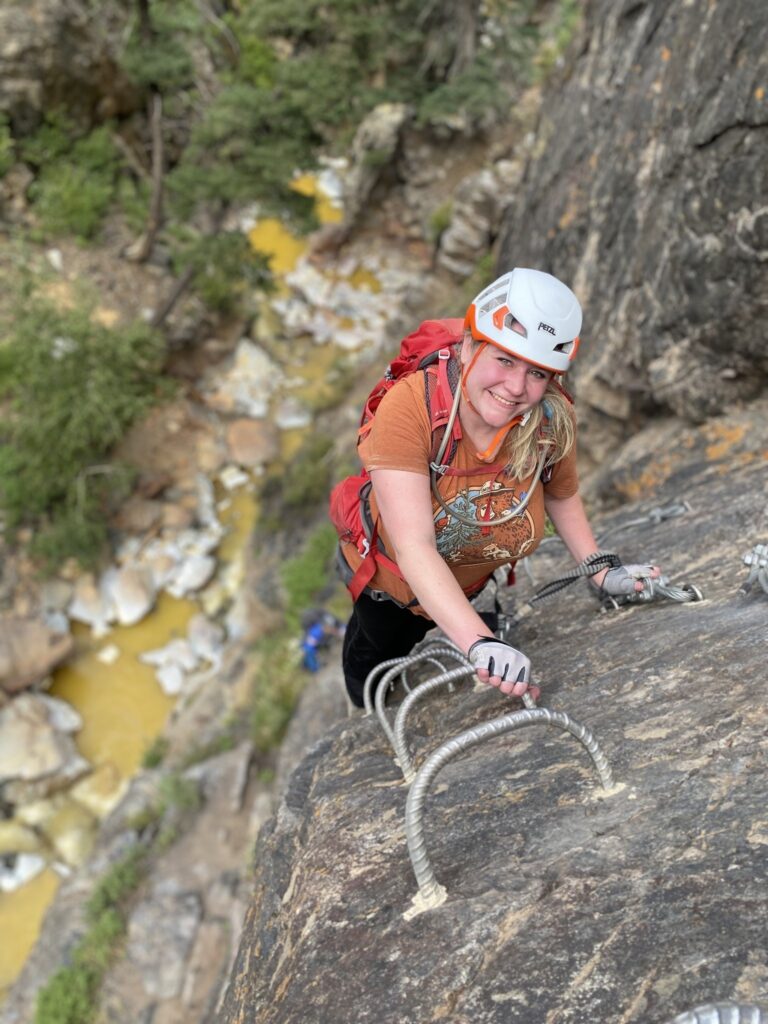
722 439
104 316
759 93
60 294
742 459
666 53
568 217
648 481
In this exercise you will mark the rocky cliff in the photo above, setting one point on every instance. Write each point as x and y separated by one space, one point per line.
565 904
648 190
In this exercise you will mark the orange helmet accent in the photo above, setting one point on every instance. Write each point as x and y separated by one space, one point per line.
498 317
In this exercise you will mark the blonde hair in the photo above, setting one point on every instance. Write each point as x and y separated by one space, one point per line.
552 425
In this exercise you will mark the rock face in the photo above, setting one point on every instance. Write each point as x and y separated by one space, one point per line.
29 651
564 903
648 192
58 53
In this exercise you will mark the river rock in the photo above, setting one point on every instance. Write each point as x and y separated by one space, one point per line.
130 591
206 638
15 837
249 384
251 442
139 515
90 606
29 651
17 871
172 664
292 414
35 742
191 575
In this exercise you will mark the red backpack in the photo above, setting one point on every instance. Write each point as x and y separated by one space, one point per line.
428 348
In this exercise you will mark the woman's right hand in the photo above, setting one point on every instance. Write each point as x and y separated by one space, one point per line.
500 664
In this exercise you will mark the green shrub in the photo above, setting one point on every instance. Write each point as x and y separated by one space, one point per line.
439 221
562 27
302 483
7 155
179 794
74 186
224 266
164 60
71 388
304 576
68 997
117 884
278 682
155 753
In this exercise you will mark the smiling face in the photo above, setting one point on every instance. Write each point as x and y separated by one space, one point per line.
499 385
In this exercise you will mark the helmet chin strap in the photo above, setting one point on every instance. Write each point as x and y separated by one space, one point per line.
492 450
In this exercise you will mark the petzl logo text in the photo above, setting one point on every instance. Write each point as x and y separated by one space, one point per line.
547 328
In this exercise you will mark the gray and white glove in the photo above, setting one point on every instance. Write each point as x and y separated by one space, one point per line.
621 581
500 659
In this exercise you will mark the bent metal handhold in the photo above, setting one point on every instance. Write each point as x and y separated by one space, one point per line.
431 893
724 1013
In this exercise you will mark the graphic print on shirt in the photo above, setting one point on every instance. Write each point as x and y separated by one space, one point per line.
462 543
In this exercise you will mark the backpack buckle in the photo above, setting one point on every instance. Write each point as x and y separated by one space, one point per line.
366 548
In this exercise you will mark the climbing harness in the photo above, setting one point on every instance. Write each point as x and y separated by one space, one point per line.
724 1013
757 560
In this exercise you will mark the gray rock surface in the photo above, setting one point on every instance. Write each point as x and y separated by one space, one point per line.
647 190
29 652
563 905
60 53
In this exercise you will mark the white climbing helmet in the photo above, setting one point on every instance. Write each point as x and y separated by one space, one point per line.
531 315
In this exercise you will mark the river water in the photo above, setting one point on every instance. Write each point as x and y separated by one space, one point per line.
122 706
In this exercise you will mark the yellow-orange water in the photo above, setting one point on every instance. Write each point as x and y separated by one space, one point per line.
21 914
271 237
122 705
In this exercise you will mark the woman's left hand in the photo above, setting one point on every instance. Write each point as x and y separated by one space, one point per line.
628 579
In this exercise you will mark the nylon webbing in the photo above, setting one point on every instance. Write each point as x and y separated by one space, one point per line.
592 564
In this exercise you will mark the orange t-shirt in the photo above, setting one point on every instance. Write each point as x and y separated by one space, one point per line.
401 438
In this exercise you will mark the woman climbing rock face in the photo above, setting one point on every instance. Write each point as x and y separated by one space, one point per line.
443 523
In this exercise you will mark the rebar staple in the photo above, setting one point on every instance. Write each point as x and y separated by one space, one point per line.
421 691
757 560
430 890
724 1013
387 681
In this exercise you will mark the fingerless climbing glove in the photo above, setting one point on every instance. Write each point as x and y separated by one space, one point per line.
501 659
621 580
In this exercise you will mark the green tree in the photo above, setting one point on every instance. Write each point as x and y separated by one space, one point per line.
70 387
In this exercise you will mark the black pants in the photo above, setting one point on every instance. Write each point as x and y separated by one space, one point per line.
376 632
